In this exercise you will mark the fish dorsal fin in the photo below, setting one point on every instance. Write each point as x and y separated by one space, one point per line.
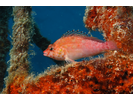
74 33
80 34
93 38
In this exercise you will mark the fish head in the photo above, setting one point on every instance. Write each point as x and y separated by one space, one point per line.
54 52
49 52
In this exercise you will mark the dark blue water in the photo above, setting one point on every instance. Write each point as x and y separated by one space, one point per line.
53 22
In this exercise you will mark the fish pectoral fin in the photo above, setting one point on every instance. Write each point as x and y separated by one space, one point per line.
68 60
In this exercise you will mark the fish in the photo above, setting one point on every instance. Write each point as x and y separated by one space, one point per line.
75 46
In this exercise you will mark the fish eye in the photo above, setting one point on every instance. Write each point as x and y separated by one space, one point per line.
51 49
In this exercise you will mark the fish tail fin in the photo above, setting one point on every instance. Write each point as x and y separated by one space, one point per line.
111 45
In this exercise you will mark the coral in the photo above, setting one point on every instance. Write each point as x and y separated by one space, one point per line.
96 76
114 22
111 74
4 42
19 64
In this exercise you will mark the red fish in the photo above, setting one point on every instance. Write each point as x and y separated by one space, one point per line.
75 46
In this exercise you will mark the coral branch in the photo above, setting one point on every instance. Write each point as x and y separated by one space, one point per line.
39 40
19 64
5 14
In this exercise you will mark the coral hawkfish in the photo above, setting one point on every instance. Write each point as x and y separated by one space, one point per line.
75 46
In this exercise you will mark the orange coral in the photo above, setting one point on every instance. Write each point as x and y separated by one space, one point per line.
111 74
114 22
97 76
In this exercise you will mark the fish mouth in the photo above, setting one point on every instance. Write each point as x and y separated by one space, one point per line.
44 53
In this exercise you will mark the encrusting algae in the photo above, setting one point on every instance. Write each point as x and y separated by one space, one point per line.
4 42
111 74
19 64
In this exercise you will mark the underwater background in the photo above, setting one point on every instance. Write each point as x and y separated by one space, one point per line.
53 22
